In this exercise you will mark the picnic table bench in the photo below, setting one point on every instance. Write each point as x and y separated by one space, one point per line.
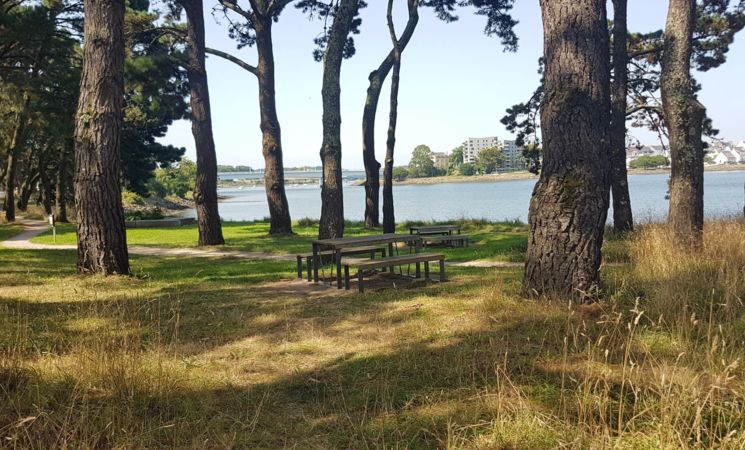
308 257
362 264
337 245
441 234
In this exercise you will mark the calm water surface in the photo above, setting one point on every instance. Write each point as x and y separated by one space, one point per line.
506 200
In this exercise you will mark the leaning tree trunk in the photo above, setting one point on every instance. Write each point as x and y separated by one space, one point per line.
205 189
684 117
27 189
332 198
274 174
622 217
376 78
389 218
569 203
102 240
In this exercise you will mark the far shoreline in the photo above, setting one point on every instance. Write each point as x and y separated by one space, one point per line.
525 175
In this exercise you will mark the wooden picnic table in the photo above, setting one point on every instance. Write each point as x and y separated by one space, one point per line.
434 229
337 244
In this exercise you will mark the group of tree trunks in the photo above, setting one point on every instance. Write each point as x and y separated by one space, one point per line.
584 143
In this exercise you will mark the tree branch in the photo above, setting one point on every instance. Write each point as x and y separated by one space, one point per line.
237 9
239 62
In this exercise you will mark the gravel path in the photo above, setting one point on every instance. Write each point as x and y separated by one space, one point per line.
33 228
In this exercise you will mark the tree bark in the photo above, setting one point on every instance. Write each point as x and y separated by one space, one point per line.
622 217
205 189
274 174
28 187
102 240
389 218
45 191
569 205
61 186
684 116
10 175
376 79
332 199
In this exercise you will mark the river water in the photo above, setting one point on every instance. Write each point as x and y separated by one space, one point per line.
504 200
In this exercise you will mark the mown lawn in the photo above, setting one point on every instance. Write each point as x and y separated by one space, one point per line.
9 230
493 241
204 353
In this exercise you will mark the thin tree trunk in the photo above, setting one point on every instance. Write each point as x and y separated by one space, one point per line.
570 200
45 191
102 240
13 149
376 79
274 174
27 189
622 217
332 199
389 218
205 189
684 116
61 186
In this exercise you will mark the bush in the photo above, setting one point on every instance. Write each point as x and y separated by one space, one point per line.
467 169
400 173
132 198
177 180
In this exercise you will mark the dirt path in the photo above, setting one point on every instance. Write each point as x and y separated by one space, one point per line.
33 228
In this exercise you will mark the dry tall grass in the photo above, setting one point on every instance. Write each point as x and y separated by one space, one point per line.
465 365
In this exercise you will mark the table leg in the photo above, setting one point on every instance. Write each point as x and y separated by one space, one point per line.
316 262
390 253
338 268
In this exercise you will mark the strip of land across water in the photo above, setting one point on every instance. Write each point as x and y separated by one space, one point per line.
525 175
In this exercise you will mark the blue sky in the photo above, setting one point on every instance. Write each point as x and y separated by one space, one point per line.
455 83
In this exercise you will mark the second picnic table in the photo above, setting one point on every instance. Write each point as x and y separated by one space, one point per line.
434 229
337 244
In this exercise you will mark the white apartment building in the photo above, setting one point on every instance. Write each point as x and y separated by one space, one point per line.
472 146
513 156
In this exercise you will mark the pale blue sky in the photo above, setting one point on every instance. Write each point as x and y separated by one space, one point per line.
455 83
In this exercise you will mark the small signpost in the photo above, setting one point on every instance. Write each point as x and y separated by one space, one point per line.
54 228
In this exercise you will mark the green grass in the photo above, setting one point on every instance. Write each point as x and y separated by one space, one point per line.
494 241
9 230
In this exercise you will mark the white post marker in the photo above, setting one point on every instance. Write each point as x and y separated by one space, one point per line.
54 229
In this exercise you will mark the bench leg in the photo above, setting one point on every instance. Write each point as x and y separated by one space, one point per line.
390 253
346 277
338 269
442 270
309 263
316 263
418 271
382 255
426 270
300 267
359 282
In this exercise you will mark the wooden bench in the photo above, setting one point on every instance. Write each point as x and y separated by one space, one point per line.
362 264
308 257
456 240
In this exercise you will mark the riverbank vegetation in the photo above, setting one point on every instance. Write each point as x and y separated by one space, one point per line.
206 352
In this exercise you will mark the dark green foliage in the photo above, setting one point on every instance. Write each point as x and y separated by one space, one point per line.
455 160
489 159
400 173
467 169
155 95
649 162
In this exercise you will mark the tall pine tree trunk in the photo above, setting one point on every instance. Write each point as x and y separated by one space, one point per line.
102 240
274 173
684 117
205 189
389 218
570 200
332 197
622 217
376 78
